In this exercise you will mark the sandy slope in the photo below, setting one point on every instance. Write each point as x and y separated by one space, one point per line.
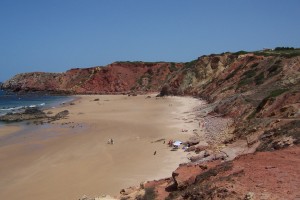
71 157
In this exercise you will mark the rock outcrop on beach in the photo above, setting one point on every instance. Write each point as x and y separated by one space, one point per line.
28 114
33 114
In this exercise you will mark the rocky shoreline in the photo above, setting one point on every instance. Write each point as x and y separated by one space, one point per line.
33 114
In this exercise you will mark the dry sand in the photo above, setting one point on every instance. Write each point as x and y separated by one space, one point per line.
71 157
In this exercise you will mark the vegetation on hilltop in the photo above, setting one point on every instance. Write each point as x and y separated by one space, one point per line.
287 52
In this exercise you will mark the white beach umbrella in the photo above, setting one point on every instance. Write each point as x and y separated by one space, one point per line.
177 143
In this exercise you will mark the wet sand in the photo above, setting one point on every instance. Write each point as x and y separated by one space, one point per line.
8 128
71 158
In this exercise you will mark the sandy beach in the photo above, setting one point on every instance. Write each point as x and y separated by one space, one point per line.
7 129
71 158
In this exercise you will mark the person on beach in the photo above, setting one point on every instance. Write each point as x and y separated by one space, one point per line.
170 143
154 153
110 141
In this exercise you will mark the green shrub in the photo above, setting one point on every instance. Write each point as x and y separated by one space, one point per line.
190 64
283 48
274 68
254 65
277 62
286 52
149 194
244 82
277 92
262 53
271 97
249 73
232 74
252 115
290 55
172 67
261 105
259 79
165 91
240 53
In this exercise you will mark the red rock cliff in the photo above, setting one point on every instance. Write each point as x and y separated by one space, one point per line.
115 78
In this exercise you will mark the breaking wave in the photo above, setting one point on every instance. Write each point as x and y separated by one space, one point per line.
23 107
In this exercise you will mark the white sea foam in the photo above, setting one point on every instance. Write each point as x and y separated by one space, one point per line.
12 108
22 107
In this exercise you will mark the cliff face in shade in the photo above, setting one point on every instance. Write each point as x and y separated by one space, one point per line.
115 78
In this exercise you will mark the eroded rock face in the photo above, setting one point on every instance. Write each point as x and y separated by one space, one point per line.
115 78
245 177
185 175
261 94
253 90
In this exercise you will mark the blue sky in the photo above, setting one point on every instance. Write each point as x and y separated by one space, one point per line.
56 35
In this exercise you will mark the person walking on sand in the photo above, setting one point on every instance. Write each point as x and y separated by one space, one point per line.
154 153
111 141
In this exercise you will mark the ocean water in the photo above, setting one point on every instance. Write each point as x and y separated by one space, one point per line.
12 102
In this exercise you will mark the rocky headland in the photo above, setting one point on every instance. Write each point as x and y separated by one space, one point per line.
116 78
257 93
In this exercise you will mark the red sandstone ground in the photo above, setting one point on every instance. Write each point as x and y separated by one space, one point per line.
263 175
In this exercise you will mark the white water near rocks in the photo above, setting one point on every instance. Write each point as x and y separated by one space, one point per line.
12 102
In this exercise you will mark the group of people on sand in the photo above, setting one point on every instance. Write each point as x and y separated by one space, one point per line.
110 141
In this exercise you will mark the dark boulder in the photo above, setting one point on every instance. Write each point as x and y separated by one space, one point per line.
28 114
61 115
33 111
